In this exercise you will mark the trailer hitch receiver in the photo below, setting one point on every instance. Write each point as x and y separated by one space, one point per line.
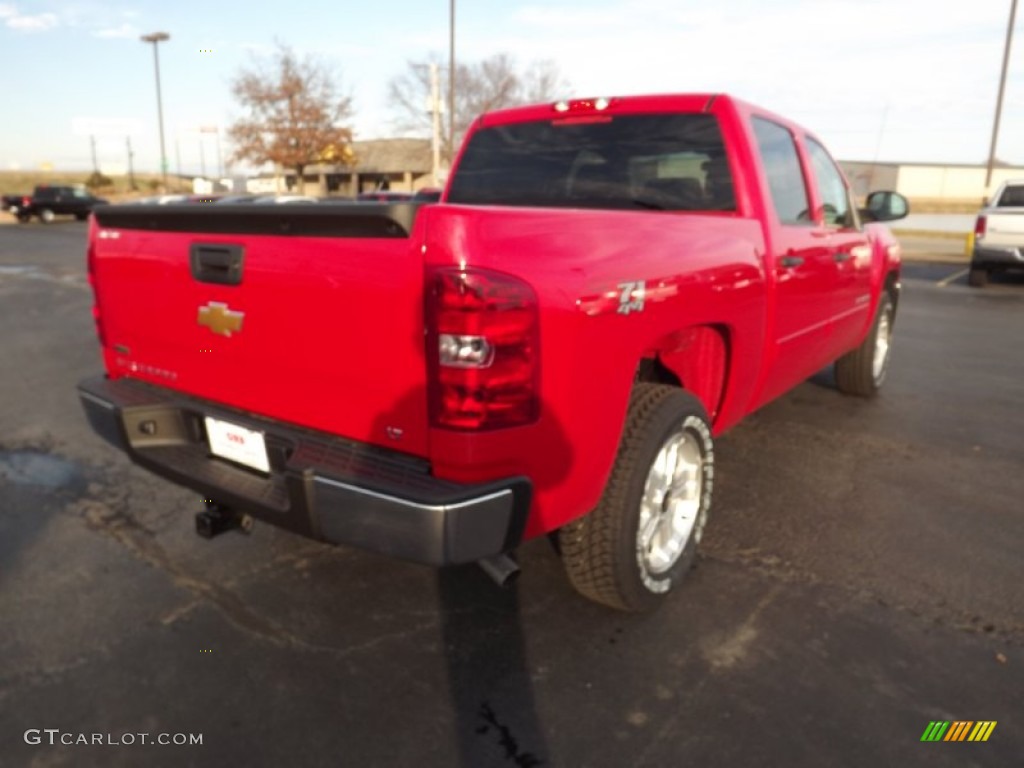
216 519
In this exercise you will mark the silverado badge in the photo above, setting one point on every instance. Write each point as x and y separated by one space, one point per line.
218 318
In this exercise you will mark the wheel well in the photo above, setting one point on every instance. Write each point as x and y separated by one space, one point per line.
695 359
653 371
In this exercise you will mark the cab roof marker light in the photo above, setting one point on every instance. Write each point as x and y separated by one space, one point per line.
582 105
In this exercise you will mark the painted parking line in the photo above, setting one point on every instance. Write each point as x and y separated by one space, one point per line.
947 280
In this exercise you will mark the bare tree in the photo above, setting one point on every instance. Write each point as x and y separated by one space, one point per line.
543 82
494 83
295 115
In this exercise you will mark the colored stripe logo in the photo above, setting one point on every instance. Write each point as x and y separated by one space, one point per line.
959 730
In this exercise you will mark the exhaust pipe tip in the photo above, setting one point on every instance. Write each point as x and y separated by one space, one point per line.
502 569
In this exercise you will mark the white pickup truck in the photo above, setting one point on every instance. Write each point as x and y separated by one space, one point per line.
999 234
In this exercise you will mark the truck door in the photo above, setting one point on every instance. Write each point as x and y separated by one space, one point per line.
849 250
803 271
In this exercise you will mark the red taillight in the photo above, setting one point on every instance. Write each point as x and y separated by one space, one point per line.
980 226
482 349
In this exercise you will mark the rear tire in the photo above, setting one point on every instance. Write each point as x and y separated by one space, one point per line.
23 217
862 371
81 216
641 539
977 277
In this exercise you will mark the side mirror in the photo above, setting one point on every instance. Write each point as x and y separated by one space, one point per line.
885 206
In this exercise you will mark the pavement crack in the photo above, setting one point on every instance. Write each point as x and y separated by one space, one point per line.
508 742
300 560
725 652
140 542
936 614
15 684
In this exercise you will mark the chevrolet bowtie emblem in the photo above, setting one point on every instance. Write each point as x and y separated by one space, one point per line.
218 318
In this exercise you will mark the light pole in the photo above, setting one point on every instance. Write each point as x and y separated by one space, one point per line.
999 100
156 38
131 166
435 119
451 81
220 163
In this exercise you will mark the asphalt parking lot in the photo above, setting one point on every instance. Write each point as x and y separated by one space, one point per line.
861 577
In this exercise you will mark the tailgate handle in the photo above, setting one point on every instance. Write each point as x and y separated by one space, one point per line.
217 263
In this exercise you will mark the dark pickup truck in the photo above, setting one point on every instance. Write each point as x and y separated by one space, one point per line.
50 201
14 203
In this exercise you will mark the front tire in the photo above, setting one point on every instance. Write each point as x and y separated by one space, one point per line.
862 371
47 216
641 539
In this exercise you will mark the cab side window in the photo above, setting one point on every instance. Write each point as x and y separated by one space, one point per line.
835 199
785 176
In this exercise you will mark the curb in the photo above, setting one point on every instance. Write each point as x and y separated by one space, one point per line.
932 234
935 257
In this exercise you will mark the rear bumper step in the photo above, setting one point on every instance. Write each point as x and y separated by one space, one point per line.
320 486
991 256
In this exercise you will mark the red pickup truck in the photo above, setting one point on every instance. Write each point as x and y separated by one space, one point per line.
605 286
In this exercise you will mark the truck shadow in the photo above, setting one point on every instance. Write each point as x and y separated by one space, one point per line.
825 378
490 685
489 681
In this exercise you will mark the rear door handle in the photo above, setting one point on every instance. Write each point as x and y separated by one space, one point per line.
842 256
791 261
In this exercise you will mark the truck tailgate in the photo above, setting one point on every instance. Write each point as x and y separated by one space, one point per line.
1005 227
310 314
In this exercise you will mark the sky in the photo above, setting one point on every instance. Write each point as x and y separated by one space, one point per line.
889 80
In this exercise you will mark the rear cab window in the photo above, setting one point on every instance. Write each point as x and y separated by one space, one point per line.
1012 197
785 175
672 162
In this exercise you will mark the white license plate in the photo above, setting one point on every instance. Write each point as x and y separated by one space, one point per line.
235 443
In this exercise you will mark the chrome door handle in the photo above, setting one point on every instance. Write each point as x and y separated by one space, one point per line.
842 256
791 261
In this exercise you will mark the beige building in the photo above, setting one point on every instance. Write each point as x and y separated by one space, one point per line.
405 165
924 182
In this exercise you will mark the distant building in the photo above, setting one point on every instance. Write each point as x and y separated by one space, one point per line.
402 165
928 182
405 165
